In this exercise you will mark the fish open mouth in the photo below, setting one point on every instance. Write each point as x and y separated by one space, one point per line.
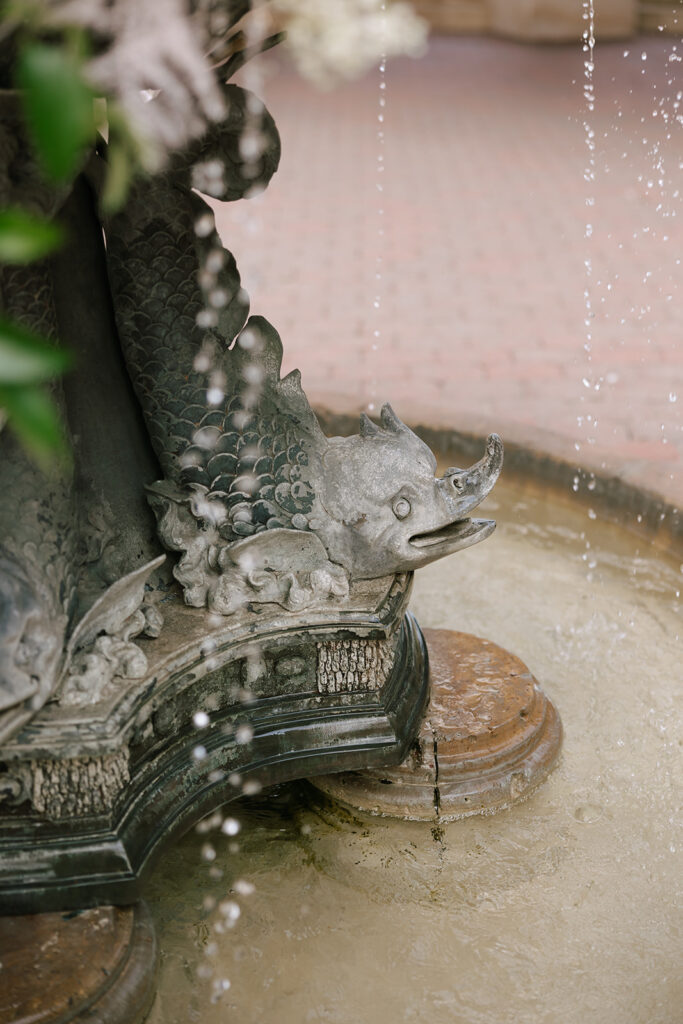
461 533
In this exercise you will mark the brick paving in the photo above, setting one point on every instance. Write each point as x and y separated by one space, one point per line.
482 314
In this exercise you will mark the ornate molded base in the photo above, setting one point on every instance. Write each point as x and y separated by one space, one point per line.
96 966
93 793
489 738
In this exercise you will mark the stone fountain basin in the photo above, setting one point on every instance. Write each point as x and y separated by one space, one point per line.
558 908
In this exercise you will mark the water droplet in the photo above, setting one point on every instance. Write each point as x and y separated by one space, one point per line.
214 396
230 910
214 260
251 787
200 719
220 986
206 318
244 733
204 225
248 340
202 362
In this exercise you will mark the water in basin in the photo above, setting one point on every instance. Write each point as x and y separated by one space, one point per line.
562 908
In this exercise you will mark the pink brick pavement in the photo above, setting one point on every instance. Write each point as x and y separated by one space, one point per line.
482 307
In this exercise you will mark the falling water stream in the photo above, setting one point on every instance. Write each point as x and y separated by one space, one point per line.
559 909
380 245
586 415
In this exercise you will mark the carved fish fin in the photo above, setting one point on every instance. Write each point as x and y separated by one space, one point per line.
293 378
113 607
390 420
367 427
260 343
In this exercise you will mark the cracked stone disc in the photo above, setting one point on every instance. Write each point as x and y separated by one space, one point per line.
92 966
490 736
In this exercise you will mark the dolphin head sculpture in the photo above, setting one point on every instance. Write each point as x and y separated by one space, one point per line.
382 509
365 506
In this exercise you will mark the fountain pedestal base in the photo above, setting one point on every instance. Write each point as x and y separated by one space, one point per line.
489 738
94 965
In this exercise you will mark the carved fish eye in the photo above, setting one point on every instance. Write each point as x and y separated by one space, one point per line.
401 508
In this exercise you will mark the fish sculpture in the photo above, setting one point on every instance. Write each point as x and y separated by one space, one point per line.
261 506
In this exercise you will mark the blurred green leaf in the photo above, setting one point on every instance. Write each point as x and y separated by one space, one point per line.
26 358
34 417
24 237
58 105
124 158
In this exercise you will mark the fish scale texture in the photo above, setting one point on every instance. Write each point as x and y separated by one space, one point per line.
251 459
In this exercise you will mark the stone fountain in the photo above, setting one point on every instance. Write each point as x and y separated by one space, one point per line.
214 598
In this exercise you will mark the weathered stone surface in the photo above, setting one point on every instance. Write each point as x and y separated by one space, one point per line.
79 786
348 665
90 795
98 965
490 736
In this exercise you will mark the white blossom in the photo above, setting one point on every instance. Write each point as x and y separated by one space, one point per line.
156 62
154 66
335 39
